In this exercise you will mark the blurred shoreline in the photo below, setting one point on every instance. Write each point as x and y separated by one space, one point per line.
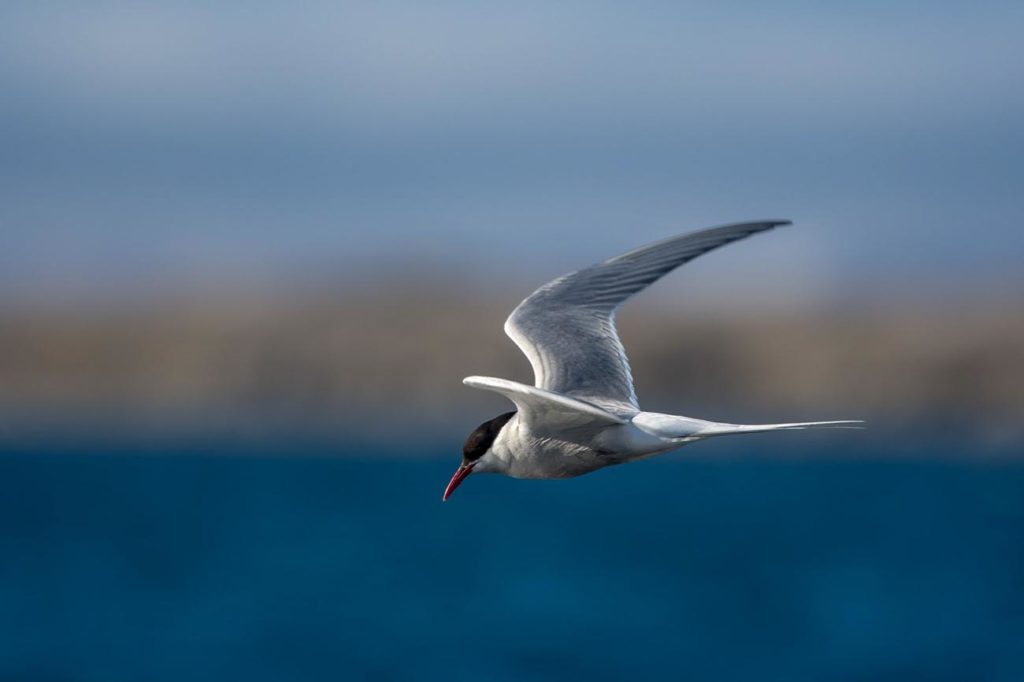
387 365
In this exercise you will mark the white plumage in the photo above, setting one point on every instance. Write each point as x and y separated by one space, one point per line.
583 414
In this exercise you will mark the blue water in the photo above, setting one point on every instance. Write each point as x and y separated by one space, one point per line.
293 565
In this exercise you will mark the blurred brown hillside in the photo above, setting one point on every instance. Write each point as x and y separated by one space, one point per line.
348 366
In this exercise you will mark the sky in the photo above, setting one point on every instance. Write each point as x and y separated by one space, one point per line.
152 147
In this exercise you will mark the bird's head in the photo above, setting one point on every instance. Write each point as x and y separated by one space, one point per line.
476 452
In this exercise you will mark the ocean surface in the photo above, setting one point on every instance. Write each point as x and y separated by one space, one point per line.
737 562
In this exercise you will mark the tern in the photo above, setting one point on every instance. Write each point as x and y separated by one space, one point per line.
582 412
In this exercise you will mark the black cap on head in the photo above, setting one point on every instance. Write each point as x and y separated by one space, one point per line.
483 436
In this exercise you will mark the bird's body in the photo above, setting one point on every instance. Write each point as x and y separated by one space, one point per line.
522 451
583 414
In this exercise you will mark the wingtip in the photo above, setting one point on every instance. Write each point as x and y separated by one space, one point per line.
475 381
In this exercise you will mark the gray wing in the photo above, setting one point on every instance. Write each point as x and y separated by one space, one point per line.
567 327
548 412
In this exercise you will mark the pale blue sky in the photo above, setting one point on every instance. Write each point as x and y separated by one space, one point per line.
180 144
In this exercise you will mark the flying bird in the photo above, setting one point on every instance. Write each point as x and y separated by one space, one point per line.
582 413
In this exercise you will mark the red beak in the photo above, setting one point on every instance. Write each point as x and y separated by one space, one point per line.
460 475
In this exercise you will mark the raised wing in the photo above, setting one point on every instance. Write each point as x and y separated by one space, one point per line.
567 327
545 411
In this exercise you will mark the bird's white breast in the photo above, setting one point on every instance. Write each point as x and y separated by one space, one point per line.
523 454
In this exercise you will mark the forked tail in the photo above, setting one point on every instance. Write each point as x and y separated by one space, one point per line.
714 429
678 427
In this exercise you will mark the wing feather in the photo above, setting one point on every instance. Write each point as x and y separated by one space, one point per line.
544 411
566 328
